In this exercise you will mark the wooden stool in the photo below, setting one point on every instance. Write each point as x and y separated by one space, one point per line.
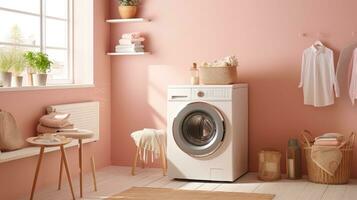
37 141
80 136
159 138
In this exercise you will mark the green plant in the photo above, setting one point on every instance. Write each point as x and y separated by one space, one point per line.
38 61
129 2
12 60
5 62
18 62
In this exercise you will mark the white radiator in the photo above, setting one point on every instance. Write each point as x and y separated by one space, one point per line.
83 115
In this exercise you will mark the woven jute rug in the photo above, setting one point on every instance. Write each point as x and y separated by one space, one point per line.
145 193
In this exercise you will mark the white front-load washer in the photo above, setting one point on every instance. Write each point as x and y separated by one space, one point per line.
207 136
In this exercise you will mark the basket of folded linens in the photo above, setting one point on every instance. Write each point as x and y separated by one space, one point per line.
219 72
328 157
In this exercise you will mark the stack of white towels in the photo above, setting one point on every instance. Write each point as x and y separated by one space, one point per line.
130 43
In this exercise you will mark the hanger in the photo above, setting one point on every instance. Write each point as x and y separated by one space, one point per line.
318 43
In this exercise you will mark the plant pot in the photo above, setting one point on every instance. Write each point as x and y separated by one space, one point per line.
5 78
127 12
30 79
39 79
19 81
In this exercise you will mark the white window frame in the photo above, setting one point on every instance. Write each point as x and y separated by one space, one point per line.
42 16
79 44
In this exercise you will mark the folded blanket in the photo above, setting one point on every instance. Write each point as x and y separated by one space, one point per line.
149 141
328 158
44 129
55 120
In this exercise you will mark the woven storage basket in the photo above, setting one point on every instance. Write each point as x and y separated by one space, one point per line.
343 172
217 75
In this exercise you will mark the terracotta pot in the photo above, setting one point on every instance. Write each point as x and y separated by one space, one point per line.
127 12
5 78
19 81
39 79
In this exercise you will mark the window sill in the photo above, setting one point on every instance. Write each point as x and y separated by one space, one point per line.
47 87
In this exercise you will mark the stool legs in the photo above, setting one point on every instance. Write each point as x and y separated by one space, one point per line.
163 159
37 171
80 167
93 174
67 170
135 161
81 170
60 174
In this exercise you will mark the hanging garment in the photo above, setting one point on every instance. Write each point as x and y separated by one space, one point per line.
343 70
318 78
353 77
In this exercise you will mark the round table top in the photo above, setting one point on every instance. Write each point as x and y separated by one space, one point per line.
41 141
80 134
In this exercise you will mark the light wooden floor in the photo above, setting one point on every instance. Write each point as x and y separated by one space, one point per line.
114 179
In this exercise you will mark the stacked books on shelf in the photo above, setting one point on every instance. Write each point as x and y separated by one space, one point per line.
130 43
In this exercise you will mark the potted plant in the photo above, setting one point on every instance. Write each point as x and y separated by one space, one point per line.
41 64
5 66
18 66
127 8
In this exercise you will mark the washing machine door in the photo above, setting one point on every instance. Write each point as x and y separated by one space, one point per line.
199 129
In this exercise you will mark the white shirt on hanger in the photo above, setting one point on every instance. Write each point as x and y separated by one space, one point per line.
318 77
353 77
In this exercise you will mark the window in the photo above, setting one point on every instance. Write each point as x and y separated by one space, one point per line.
63 29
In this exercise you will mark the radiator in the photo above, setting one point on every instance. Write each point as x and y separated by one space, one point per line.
83 116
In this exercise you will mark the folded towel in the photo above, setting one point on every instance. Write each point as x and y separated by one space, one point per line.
128 50
131 35
331 136
327 142
55 120
132 41
44 129
229 61
129 46
328 158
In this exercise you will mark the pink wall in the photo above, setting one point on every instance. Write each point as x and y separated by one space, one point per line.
265 35
16 177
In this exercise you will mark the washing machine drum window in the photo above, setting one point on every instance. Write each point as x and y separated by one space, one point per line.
199 129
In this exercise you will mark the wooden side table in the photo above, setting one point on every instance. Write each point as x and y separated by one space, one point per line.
37 141
80 136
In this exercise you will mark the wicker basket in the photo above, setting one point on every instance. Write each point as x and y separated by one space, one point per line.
343 172
217 75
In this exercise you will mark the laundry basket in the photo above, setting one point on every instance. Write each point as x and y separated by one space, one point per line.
343 172
217 75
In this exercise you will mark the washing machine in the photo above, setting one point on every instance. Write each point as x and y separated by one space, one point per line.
207 136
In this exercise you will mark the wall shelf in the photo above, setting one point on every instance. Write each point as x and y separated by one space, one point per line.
132 20
128 54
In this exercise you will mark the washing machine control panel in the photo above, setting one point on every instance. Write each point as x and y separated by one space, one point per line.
199 93
212 93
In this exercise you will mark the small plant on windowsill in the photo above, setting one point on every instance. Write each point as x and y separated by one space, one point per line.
18 66
5 66
128 8
40 63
